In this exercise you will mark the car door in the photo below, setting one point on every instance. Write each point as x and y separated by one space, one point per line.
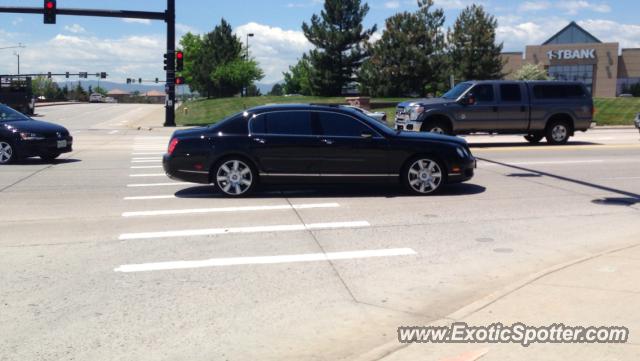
350 146
513 108
284 143
481 115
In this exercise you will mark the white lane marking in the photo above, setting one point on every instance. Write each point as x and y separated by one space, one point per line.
142 198
258 229
229 209
147 158
155 153
147 175
507 163
146 167
157 184
113 131
293 258
620 178
155 160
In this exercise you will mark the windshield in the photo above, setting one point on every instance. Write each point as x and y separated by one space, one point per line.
8 115
457 91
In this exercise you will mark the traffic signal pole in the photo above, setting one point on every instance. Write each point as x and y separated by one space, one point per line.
169 16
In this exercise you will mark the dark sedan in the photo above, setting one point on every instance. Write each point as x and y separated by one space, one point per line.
22 137
313 144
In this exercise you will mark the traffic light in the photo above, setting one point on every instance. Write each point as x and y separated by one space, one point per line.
166 61
66 75
103 75
139 80
157 80
49 75
50 11
179 80
128 80
179 61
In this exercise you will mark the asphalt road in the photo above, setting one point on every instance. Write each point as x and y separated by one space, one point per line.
104 258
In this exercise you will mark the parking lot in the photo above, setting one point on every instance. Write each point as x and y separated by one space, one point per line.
101 251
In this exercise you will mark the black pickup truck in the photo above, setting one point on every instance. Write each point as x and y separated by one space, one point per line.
536 109
17 93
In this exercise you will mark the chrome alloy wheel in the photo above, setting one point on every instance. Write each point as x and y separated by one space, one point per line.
6 152
437 130
234 177
559 132
425 176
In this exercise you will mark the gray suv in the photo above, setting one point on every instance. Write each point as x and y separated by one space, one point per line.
537 109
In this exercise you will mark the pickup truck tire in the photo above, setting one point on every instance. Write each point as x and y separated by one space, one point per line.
558 132
438 127
534 138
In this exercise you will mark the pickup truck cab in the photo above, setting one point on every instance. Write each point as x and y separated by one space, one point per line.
537 109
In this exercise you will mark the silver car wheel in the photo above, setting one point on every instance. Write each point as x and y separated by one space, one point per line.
437 130
234 177
559 132
425 176
6 152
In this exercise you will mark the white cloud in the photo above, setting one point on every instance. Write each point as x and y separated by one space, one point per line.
16 21
392 4
75 28
454 4
183 29
137 21
572 7
275 49
534 6
304 4
628 35
516 33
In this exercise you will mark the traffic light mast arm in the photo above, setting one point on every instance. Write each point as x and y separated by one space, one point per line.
151 15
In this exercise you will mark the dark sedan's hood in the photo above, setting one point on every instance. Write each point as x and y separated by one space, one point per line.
431 136
36 126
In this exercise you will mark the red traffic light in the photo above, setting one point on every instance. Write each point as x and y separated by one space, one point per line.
179 80
179 55
50 4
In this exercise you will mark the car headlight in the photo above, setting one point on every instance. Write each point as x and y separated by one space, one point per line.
415 111
462 152
31 136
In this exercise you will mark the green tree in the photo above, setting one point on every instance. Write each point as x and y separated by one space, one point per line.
531 72
191 45
230 78
473 51
298 79
410 57
44 86
100 90
277 90
219 48
253 91
339 38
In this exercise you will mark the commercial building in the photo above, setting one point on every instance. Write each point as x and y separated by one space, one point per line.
574 54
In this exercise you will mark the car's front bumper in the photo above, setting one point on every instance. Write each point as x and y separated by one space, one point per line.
462 171
30 148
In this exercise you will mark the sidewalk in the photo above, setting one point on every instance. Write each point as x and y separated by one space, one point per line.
599 291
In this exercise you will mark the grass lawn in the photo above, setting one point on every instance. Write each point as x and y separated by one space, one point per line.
615 111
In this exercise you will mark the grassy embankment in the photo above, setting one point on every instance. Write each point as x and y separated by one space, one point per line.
617 111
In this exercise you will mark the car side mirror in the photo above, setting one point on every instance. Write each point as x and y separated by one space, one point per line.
366 135
469 99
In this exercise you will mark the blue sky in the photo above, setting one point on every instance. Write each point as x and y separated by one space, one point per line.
134 49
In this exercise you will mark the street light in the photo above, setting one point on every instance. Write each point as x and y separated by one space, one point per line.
18 55
250 35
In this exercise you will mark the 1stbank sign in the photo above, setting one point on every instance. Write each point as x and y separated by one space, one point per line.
572 54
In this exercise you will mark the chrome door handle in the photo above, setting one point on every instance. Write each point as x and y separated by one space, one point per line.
259 140
327 141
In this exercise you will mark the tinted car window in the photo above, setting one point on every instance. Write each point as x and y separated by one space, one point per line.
337 124
510 93
552 91
8 114
457 91
483 92
234 125
283 122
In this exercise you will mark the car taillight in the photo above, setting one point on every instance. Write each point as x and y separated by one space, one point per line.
593 111
172 145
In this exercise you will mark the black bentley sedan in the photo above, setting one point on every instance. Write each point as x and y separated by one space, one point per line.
313 143
22 137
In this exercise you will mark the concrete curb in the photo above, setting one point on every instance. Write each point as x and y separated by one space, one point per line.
44 105
606 127
381 352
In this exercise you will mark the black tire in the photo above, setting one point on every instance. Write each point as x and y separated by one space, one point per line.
425 178
49 157
438 127
534 138
558 132
8 152
235 176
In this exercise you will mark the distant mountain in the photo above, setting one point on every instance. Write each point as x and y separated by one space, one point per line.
265 88
110 86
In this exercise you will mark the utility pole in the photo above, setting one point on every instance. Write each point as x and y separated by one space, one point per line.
249 35
18 55
170 88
